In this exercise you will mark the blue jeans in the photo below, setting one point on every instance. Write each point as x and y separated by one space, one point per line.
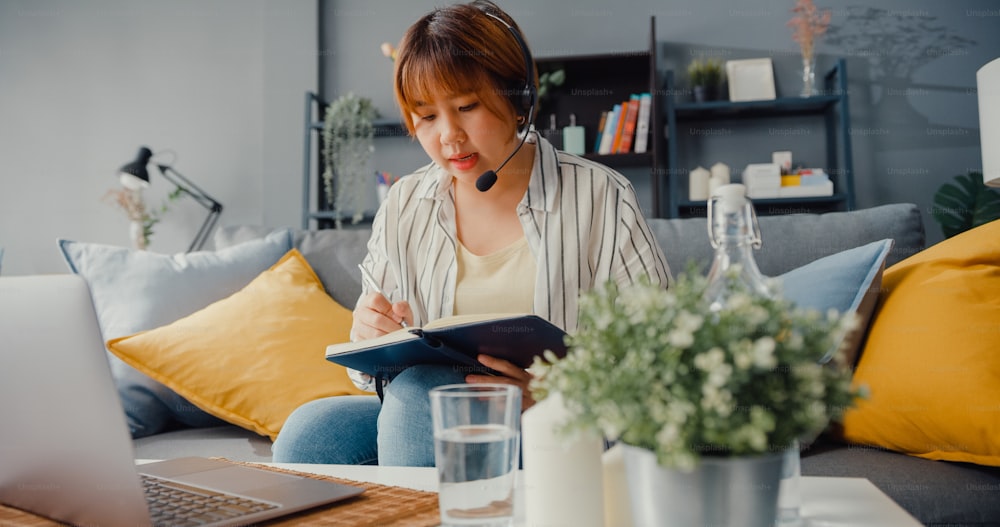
358 430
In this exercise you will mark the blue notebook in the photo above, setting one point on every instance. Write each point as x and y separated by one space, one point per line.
453 341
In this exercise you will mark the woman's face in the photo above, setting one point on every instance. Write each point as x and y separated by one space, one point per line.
461 135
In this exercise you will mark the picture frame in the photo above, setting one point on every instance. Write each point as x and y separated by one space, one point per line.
750 80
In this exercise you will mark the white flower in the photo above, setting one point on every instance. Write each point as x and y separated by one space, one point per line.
688 321
710 359
680 338
668 434
763 353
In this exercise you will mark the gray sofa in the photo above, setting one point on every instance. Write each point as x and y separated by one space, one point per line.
936 493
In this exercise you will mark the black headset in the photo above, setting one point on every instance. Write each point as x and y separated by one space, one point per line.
523 101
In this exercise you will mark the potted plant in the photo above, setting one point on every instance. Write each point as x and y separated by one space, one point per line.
691 391
706 78
348 142
808 24
141 219
964 203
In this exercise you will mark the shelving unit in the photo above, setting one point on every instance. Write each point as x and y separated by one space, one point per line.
595 83
832 106
314 207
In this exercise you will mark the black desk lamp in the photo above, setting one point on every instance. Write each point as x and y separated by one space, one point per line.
135 176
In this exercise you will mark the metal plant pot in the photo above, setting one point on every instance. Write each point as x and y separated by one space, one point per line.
721 491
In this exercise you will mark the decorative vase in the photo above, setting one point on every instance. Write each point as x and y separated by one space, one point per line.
808 76
137 234
705 92
720 491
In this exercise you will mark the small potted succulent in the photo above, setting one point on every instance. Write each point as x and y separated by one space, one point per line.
706 77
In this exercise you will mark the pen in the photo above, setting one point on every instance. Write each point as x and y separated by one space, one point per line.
370 280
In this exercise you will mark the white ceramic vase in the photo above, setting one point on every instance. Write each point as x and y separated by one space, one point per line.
138 236
720 491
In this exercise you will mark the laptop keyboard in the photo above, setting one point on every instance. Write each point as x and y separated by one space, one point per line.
179 505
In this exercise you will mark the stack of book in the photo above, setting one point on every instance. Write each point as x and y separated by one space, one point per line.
765 180
625 128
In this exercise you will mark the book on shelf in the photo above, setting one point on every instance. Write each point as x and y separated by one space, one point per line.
453 341
600 130
628 129
642 123
610 126
619 128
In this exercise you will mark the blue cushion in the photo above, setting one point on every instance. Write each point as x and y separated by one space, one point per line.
848 281
135 291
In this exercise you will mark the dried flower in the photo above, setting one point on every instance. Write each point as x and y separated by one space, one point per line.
659 370
128 200
389 51
808 24
132 203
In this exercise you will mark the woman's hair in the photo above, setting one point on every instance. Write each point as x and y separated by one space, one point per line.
459 49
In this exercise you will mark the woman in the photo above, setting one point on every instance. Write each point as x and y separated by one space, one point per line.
551 226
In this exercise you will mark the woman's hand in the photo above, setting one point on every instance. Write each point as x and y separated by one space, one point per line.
511 375
374 316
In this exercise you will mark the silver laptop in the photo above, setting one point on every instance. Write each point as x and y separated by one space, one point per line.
65 449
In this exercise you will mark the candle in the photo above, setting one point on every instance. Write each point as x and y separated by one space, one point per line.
719 177
698 184
617 507
563 478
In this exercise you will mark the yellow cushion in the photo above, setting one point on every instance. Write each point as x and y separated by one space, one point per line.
932 359
255 356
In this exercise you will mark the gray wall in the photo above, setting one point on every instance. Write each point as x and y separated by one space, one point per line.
221 83
84 84
911 66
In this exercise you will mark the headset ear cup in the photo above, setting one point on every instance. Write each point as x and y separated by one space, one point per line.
527 99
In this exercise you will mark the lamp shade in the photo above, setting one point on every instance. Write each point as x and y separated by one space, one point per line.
988 86
133 175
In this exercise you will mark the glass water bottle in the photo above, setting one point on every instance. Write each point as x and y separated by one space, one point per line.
733 233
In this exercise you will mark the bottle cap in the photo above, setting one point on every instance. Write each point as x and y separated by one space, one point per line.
732 197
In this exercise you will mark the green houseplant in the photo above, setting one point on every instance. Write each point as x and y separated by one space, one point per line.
348 142
964 203
656 369
695 393
706 76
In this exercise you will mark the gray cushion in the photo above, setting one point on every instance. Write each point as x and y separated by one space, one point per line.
934 492
333 253
136 291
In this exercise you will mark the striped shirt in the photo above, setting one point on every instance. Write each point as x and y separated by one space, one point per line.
581 219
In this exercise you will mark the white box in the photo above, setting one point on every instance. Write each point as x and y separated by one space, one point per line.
750 80
762 175
783 159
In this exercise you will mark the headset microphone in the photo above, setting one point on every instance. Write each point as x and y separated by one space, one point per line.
489 178
526 102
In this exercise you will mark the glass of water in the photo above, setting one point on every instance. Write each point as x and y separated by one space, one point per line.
476 439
